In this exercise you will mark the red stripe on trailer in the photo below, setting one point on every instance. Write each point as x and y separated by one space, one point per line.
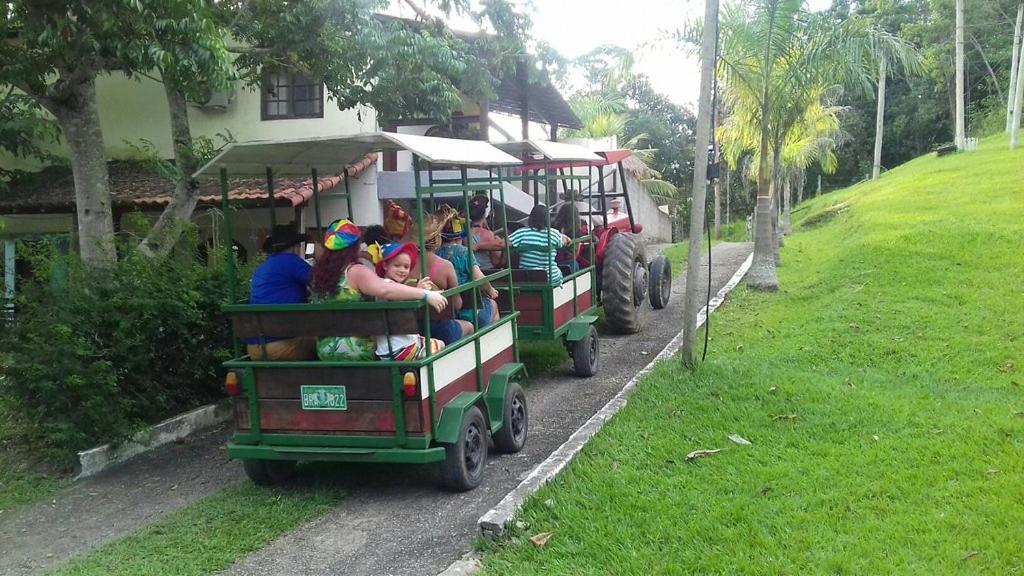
362 417
467 383
565 312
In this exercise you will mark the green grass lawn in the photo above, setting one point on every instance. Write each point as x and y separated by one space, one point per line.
882 389
207 536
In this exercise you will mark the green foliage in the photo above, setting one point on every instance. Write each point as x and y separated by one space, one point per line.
24 131
881 392
93 355
207 536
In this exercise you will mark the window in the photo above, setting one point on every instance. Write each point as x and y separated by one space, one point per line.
291 96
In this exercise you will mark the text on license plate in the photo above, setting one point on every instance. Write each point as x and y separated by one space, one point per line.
324 398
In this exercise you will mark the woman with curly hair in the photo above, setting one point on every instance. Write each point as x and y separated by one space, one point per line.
339 277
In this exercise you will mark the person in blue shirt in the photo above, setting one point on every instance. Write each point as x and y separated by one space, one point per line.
283 278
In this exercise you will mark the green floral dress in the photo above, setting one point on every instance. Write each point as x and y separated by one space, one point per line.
346 347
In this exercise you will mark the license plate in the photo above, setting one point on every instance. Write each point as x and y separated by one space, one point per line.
324 398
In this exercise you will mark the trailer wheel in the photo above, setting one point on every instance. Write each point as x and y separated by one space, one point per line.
661 282
516 421
624 283
269 472
464 460
585 354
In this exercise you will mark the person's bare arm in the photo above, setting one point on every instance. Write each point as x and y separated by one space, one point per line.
488 241
368 283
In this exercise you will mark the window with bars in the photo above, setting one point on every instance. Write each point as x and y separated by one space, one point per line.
291 96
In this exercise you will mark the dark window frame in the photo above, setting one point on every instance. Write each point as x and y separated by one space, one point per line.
294 81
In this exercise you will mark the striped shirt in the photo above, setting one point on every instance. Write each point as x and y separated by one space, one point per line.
530 258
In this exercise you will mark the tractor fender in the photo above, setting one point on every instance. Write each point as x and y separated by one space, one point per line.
579 327
602 244
494 397
450 422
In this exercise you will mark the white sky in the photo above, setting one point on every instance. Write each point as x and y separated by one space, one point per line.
575 27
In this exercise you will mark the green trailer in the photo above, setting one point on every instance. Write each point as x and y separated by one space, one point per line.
441 409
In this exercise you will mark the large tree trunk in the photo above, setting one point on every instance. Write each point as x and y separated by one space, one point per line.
762 274
800 187
776 194
961 134
76 112
876 168
168 227
691 305
1018 104
1014 64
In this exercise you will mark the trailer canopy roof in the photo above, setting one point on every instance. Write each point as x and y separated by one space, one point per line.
553 151
330 154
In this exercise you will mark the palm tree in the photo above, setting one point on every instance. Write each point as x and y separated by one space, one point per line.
775 56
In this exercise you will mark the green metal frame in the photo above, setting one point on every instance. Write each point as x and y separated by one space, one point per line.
403 447
576 328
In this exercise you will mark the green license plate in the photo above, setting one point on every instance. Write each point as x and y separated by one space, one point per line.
324 398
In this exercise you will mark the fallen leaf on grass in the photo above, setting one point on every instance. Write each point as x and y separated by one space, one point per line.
739 440
701 453
784 417
970 555
541 539
855 327
773 388
875 437
1007 367
992 472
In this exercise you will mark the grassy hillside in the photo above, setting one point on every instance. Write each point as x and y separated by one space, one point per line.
882 390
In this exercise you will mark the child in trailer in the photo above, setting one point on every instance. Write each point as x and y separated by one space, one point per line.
338 277
466 269
398 259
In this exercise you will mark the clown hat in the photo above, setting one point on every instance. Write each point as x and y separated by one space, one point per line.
390 251
342 234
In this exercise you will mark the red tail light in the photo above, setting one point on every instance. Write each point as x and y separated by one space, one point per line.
410 385
231 384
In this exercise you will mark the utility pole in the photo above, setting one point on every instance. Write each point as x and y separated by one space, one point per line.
700 167
876 169
961 136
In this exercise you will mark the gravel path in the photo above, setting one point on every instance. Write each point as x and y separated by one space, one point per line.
392 521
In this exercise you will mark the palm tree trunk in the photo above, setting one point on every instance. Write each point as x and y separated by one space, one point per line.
717 183
800 187
697 208
961 135
1018 103
787 221
727 172
777 202
762 274
1014 63
165 232
876 169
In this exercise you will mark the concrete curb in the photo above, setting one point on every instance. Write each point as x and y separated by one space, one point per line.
493 523
95 460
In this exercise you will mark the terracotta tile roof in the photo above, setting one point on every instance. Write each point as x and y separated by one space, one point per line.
136 185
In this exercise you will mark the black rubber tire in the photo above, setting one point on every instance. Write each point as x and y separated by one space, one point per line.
515 422
586 354
269 472
623 283
661 282
464 461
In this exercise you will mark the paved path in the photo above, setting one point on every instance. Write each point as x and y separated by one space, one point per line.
392 520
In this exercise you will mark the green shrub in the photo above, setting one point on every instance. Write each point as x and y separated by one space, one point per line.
93 356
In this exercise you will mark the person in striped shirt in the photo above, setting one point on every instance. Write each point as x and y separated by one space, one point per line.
537 244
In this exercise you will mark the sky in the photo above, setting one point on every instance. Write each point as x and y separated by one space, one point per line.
575 27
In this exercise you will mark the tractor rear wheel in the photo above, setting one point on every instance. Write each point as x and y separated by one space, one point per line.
624 283
269 472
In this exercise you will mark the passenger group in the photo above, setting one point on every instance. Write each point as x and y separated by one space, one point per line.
380 263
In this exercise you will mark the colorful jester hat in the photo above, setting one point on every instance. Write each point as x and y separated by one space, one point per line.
341 234
394 249
455 226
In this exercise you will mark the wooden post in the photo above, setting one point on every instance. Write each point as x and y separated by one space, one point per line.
700 167
485 121
554 131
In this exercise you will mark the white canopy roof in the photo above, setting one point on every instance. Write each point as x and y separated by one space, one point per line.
330 154
554 151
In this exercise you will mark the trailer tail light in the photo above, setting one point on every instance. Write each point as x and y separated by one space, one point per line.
231 384
410 385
